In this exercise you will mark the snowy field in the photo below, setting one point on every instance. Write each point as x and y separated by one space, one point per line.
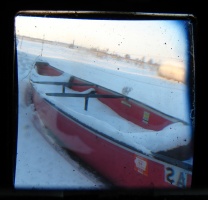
39 165
42 164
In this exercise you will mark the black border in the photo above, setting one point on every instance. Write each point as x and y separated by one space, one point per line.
9 92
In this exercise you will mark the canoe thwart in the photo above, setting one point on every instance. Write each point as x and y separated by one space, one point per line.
64 84
86 96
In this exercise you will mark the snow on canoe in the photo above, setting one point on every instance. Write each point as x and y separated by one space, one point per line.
128 142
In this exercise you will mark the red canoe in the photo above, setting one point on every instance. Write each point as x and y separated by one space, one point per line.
123 164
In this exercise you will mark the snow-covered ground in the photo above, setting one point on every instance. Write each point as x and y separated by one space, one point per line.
39 165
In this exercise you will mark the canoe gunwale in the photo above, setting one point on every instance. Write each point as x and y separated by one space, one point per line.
68 84
93 94
153 156
156 159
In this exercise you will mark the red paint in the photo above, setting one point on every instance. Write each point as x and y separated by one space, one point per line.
47 70
134 113
112 160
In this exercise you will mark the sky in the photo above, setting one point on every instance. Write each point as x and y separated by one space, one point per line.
160 40
39 165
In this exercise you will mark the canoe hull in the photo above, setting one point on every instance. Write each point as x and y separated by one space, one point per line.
123 166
